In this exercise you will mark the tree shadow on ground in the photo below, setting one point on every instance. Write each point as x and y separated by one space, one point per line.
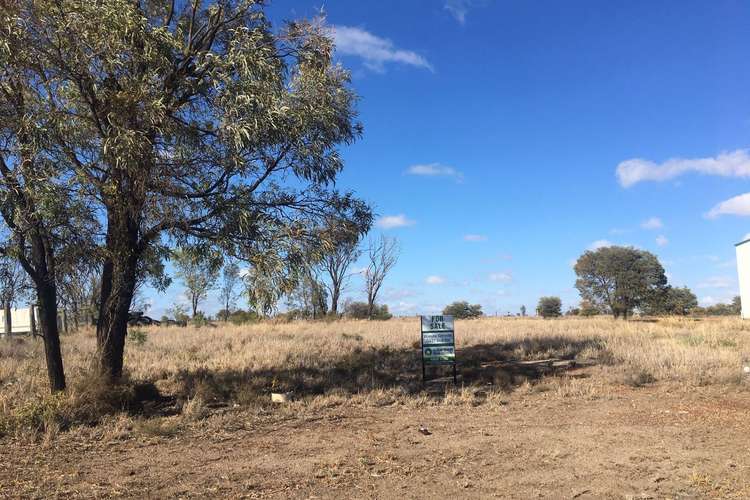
503 366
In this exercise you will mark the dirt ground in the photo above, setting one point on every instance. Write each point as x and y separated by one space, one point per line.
647 442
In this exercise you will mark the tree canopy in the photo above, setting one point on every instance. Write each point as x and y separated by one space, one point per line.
620 279
180 123
463 310
549 307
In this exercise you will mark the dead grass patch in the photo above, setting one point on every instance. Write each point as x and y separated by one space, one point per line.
194 371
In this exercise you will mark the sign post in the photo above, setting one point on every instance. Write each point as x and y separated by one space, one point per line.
438 343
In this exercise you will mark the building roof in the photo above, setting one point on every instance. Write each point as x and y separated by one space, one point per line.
742 242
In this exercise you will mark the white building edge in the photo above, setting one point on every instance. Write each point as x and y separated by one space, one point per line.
743 275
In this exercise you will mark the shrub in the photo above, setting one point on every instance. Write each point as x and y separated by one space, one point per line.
240 317
199 319
358 310
137 336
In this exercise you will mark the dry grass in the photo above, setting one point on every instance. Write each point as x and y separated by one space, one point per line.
191 370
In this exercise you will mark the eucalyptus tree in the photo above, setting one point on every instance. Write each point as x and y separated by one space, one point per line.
199 271
231 278
382 255
45 221
338 259
194 121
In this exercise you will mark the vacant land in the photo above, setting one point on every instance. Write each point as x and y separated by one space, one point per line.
649 410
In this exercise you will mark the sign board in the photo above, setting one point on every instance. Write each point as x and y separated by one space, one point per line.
438 342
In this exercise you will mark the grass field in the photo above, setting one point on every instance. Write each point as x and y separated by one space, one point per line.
189 385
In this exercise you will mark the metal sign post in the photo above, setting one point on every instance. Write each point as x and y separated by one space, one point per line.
438 343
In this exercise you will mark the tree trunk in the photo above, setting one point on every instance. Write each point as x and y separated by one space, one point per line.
335 292
119 275
7 318
47 300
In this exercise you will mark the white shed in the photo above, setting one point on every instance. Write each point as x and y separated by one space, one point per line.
20 320
743 273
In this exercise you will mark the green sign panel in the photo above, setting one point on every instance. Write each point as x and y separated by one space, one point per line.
443 355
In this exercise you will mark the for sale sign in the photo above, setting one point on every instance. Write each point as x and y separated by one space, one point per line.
442 323
438 342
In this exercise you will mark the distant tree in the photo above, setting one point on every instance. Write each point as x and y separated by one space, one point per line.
78 289
619 278
362 310
14 282
382 255
737 305
179 313
573 311
338 260
681 301
462 310
721 309
589 309
309 299
549 307
523 311
674 301
228 291
198 270
14 286
240 317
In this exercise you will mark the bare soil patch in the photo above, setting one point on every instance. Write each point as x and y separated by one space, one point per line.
659 441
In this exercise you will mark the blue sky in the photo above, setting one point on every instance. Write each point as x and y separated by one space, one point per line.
505 137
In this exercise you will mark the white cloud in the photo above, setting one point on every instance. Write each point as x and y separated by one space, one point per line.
434 280
600 244
746 237
475 237
434 170
501 277
402 307
459 8
392 221
731 164
652 223
717 282
398 293
739 205
662 240
708 301
730 262
375 52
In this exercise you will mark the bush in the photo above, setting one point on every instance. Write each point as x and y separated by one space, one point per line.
462 310
200 319
137 336
240 317
358 310
549 307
